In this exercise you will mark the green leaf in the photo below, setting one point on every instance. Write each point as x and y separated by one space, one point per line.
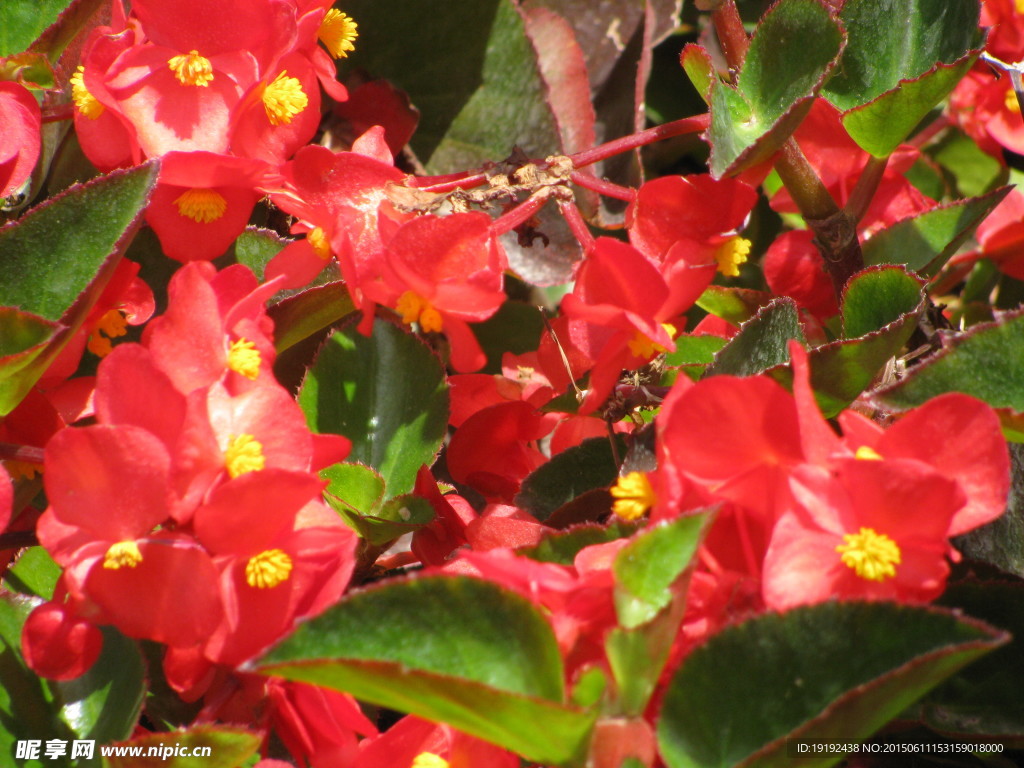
22 21
974 170
256 247
828 671
647 567
984 698
984 362
386 393
692 356
876 297
569 474
903 57
357 494
794 48
448 648
737 305
925 242
102 705
516 327
562 546
223 747
354 487
34 573
56 260
762 341
478 99
302 314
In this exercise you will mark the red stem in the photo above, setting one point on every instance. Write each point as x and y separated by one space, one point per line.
58 113
521 213
603 186
448 183
574 219
731 34
693 124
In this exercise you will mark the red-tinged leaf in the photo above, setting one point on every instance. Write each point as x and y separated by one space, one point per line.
698 67
451 649
762 341
776 87
57 258
301 315
807 686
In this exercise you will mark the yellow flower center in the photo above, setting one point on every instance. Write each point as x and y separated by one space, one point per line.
244 359
873 556
191 69
244 454
428 760
318 241
22 469
731 254
415 309
337 32
201 205
633 495
1019 5
85 101
268 569
868 454
641 346
283 99
1012 103
123 554
110 326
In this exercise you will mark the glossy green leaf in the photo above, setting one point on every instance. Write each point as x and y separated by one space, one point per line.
647 567
256 247
386 393
477 99
562 546
984 698
837 670
34 573
449 648
103 704
396 517
876 297
24 338
974 171
983 362
794 48
925 242
302 314
57 258
736 305
220 746
22 21
762 341
568 474
903 57
356 493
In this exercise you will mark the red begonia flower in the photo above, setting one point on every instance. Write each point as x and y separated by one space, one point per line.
59 645
20 138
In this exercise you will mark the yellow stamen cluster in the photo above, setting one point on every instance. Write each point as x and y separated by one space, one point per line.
867 454
1019 5
191 69
1012 103
110 326
123 554
244 359
415 309
633 496
22 469
872 555
641 346
318 241
283 99
338 32
731 254
268 569
87 103
428 760
244 454
201 205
